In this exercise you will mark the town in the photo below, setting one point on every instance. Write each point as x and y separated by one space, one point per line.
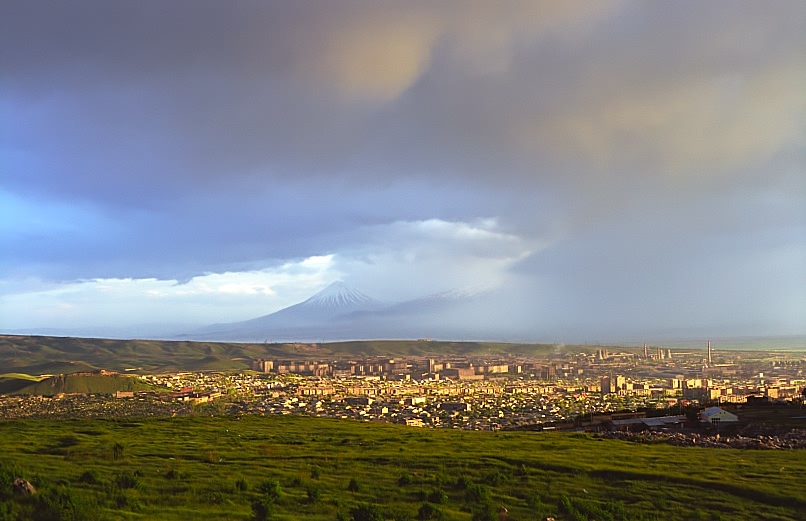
626 389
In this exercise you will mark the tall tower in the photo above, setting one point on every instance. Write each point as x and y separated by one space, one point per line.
709 351
646 351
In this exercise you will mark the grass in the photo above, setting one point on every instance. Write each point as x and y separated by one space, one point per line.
21 376
218 468
82 383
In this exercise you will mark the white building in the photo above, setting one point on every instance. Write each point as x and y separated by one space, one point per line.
717 415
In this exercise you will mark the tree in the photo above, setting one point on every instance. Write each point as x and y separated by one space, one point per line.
353 485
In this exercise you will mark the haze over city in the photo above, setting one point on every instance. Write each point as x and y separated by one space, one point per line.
596 170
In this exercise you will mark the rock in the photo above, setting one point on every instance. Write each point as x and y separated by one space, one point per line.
23 487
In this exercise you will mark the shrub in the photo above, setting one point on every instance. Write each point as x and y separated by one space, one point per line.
314 493
495 479
477 494
428 511
118 450
353 485
437 496
485 512
262 509
89 477
270 488
241 485
366 512
126 480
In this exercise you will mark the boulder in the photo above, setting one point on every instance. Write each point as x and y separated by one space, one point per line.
23 488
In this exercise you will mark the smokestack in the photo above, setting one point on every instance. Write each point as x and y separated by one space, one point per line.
709 351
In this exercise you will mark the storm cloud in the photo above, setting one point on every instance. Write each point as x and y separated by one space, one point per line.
623 167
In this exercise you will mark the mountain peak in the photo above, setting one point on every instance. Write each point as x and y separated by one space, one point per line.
338 295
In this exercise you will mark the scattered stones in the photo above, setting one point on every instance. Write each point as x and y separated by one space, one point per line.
794 439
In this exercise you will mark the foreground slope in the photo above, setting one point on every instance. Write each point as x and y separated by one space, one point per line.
217 468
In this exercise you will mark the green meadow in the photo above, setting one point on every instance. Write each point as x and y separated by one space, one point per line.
292 468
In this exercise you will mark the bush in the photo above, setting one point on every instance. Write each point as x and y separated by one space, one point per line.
366 512
270 488
90 477
262 509
241 485
495 479
437 496
354 485
462 483
314 493
428 511
126 480
477 494
485 512
118 450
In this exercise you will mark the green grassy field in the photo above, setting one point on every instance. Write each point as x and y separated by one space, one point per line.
70 383
288 468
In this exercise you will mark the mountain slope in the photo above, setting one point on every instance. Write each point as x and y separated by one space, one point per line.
342 313
325 309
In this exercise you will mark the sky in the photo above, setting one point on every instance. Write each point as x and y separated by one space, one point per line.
614 168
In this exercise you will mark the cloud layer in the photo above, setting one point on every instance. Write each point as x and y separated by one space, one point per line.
612 159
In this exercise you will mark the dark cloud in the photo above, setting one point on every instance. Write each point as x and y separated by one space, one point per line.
189 137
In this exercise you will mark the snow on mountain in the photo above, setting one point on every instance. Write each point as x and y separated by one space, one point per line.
323 309
435 303
341 312
340 297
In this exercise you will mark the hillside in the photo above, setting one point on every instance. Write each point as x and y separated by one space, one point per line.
12 383
37 355
82 383
321 470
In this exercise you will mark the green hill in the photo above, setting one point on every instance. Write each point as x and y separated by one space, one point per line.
61 355
321 470
82 383
11 383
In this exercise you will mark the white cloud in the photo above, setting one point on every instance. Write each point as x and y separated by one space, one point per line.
408 259
214 297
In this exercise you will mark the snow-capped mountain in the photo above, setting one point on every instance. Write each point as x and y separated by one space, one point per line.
340 298
322 309
340 312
